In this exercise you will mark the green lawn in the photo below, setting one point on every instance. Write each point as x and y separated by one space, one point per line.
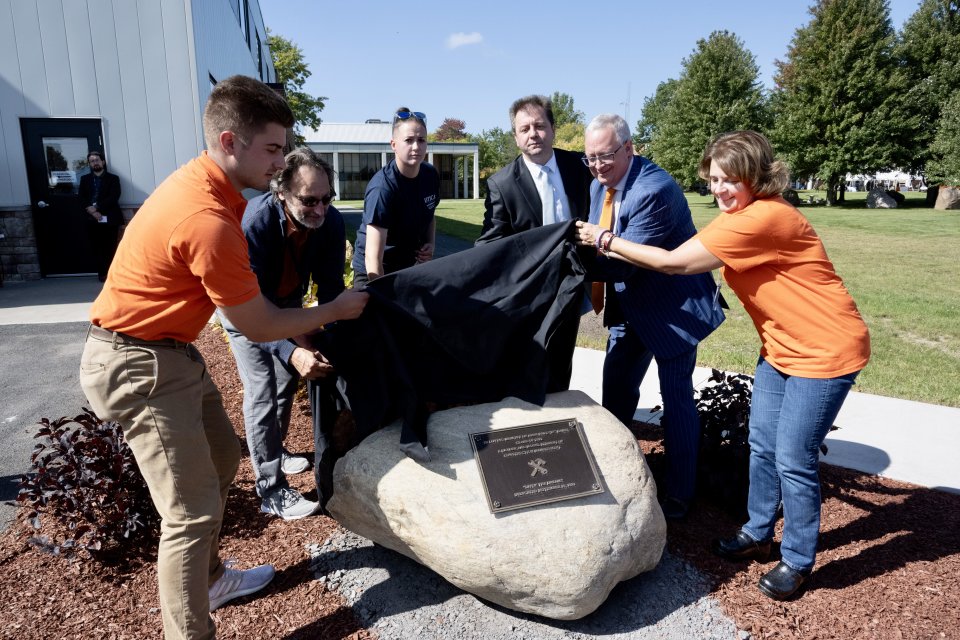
902 266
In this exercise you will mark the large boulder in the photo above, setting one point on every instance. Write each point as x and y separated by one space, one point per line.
558 560
880 199
948 198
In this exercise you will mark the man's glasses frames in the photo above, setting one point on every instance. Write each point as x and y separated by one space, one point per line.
604 159
310 201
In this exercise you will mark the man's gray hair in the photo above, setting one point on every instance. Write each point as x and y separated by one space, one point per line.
299 157
610 121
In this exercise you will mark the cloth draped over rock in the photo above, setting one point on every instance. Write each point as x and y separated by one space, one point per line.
471 327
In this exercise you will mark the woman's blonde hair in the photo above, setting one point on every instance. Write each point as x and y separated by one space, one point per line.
748 157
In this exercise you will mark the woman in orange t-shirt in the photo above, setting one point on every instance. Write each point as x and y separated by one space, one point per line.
813 342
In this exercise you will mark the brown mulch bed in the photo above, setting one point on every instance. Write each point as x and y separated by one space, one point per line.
889 564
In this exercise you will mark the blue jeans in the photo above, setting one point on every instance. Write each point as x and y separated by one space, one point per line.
626 363
789 418
268 389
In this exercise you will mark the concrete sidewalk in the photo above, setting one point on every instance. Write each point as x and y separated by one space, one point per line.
900 439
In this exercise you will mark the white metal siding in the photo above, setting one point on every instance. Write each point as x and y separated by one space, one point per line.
142 66
56 61
221 46
11 102
80 53
139 143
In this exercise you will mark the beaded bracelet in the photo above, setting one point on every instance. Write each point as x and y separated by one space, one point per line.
603 234
605 245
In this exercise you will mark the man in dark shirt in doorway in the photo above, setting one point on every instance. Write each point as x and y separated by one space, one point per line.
100 198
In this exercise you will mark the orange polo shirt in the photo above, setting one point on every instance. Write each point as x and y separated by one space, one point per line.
776 264
182 254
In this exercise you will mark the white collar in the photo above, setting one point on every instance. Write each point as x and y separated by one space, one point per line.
535 168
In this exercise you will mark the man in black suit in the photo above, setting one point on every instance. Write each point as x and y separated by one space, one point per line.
541 186
514 200
100 198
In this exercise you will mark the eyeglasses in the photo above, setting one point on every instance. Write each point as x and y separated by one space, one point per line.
406 115
603 159
310 201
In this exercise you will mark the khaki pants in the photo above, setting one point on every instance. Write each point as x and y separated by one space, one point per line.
174 421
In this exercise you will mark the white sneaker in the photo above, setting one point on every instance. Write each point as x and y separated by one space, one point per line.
288 504
235 583
291 465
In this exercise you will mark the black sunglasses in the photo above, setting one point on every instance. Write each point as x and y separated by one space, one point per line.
406 115
310 201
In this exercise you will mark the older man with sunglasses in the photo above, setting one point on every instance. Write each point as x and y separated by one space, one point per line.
293 234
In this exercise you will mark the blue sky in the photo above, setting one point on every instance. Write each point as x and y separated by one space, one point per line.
470 60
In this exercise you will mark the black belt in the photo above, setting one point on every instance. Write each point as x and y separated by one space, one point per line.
121 338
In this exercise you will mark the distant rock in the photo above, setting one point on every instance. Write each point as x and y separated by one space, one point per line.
880 199
948 198
558 560
792 197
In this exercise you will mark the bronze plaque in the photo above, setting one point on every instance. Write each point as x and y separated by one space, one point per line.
535 464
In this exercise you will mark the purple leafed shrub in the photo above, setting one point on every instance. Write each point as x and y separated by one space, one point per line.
724 464
84 478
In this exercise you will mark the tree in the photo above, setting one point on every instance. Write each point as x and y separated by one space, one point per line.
944 164
652 115
929 49
450 130
496 148
563 110
569 136
718 91
292 73
839 96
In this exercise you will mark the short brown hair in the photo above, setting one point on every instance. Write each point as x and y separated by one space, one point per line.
244 106
748 157
536 101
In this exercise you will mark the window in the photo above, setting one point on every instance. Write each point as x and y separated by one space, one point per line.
446 167
356 169
259 56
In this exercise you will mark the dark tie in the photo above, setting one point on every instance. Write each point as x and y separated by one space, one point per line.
606 221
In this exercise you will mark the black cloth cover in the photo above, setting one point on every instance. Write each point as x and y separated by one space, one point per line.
475 326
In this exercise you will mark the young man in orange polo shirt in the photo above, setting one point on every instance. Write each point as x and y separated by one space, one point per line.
182 256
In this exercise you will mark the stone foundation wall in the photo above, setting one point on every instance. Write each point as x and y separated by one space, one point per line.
18 246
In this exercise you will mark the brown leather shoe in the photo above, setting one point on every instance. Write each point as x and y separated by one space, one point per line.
781 582
741 547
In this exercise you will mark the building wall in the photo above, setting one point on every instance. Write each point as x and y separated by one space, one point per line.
142 66
238 44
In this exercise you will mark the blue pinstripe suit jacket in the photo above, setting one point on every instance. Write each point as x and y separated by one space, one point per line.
670 313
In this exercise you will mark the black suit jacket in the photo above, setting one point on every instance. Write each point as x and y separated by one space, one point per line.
108 202
513 202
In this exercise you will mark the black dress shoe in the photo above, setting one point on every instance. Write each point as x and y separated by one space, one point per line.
781 582
741 547
674 509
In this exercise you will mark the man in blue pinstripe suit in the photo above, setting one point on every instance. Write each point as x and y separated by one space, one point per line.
649 314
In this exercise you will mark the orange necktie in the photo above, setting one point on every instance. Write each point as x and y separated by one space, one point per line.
606 221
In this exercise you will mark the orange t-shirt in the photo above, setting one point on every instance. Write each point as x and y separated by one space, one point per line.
776 264
182 254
